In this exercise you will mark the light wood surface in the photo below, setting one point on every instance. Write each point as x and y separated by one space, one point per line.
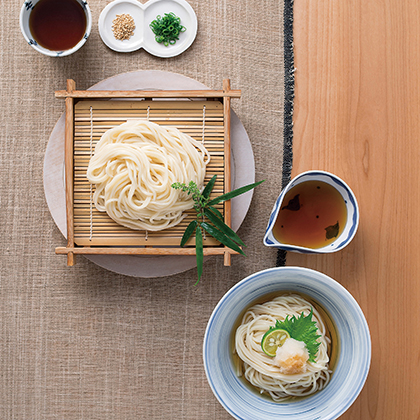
227 155
143 251
68 153
357 115
147 94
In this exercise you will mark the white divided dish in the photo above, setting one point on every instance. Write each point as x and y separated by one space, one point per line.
143 15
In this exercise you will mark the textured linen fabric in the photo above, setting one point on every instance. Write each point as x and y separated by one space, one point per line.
85 343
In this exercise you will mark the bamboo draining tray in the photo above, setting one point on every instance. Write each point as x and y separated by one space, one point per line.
89 114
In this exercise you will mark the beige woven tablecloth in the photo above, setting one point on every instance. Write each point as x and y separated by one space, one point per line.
86 343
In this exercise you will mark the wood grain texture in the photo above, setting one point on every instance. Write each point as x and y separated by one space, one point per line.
227 159
146 94
69 131
143 251
357 115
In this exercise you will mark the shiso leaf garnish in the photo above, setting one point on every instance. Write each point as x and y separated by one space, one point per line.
303 329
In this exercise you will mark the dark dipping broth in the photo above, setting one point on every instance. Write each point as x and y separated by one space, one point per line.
57 25
333 350
313 215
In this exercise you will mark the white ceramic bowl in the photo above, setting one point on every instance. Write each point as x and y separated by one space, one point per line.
25 12
351 368
349 230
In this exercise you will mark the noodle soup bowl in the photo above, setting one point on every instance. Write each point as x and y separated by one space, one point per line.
352 343
351 222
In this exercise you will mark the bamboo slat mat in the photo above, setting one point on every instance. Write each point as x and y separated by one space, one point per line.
202 120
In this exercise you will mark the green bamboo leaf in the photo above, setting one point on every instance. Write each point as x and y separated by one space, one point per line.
234 193
223 227
209 187
199 252
221 237
188 232
216 212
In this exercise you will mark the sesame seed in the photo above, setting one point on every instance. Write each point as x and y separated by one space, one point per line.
123 26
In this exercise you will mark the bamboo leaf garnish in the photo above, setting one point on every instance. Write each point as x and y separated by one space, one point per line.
210 219
209 187
222 227
188 232
199 252
221 237
216 212
234 193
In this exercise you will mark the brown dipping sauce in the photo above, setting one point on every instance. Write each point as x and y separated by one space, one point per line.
57 25
313 215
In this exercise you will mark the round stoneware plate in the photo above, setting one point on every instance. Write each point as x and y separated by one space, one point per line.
242 166
143 36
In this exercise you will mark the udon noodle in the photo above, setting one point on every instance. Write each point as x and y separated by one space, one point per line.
260 370
133 168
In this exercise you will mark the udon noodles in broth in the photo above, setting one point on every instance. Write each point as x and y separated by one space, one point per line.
263 371
133 168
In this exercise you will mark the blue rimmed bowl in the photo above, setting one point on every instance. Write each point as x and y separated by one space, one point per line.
25 13
353 360
349 230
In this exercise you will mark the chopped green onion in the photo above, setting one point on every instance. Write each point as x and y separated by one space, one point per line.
167 28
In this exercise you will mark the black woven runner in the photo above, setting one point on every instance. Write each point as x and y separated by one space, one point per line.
289 82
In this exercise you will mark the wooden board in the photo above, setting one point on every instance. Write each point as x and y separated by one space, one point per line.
356 114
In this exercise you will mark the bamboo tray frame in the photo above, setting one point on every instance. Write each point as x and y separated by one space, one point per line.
89 114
